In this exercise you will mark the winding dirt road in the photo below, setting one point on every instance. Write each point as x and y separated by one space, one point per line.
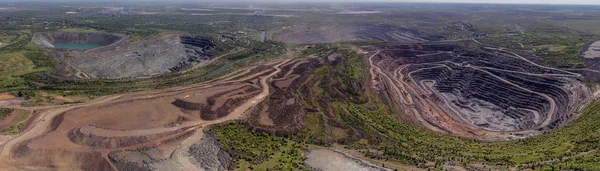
237 113
42 123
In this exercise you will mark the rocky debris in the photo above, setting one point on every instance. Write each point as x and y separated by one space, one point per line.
335 160
123 164
196 49
208 154
156 157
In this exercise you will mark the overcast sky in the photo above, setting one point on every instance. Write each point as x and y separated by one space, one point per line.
513 1
597 2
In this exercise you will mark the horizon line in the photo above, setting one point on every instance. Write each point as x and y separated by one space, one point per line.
298 2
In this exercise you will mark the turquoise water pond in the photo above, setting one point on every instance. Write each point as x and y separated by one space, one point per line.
75 46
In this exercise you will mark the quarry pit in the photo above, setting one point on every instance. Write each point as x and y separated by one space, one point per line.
114 56
481 93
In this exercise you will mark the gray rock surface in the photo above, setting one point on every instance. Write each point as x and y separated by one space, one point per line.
335 160
208 154
120 58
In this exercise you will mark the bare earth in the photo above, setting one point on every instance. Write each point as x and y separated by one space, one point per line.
334 160
102 133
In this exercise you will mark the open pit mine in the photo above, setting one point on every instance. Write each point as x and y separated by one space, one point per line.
483 93
116 56
449 87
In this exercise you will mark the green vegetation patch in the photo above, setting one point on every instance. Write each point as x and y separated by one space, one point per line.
21 58
558 46
259 151
404 143
4 112
13 65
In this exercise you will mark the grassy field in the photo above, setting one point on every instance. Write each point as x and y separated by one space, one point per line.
591 25
259 151
19 58
12 66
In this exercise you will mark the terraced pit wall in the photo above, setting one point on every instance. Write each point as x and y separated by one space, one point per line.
482 94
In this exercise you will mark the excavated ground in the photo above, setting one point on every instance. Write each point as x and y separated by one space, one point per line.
477 93
334 33
332 159
120 58
282 112
152 130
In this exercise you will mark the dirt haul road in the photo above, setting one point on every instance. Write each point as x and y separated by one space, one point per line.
238 113
42 124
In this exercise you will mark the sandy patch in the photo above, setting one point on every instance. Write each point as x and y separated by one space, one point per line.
6 96
264 117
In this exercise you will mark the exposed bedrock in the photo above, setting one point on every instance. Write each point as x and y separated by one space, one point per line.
157 156
209 155
476 93
121 58
205 154
333 159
